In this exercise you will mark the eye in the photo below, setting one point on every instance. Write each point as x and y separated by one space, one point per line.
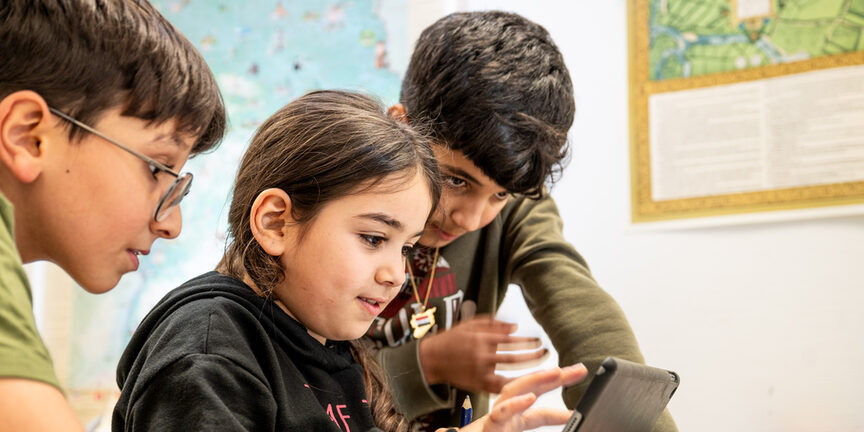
454 182
372 240
407 249
501 196
153 170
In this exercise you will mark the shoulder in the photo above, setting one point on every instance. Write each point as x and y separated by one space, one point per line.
206 305
207 326
526 215
198 319
520 206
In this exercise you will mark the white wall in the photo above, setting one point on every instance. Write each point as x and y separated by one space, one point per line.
763 322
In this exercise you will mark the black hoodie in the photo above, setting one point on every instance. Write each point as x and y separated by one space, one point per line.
214 356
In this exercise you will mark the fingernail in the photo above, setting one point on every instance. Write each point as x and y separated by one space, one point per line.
576 366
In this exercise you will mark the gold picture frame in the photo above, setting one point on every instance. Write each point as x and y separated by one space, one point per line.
644 207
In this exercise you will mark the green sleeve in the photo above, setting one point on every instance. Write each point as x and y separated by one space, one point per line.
22 352
584 323
411 393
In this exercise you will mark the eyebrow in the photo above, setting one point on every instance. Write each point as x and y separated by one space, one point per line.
452 170
460 172
170 137
387 220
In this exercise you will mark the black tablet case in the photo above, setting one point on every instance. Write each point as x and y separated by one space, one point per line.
623 397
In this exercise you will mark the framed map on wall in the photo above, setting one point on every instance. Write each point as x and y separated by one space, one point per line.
740 106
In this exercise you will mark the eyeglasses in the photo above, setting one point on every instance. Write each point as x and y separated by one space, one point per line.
171 198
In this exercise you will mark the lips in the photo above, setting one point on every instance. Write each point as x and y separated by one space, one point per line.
133 256
372 305
444 235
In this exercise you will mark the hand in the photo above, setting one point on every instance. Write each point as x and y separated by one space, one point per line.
511 411
467 354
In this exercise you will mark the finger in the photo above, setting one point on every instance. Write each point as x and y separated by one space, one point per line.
505 410
544 381
520 343
489 324
573 374
539 417
495 341
520 361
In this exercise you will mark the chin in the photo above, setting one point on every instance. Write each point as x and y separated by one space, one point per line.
353 333
436 243
98 285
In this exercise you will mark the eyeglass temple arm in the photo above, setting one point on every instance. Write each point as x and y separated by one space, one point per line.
161 166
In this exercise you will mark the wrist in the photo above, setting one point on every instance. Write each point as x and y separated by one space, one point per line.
428 365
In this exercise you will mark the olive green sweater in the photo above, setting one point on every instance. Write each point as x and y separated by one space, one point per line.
523 245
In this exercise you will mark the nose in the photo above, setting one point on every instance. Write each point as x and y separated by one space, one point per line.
392 272
468 216
170 226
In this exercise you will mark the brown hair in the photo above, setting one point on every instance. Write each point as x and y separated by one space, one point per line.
319 148
86 56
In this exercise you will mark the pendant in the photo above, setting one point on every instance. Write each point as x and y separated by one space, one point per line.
422 322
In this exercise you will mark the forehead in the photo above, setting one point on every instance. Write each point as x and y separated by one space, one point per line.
454 162
134 130
402 195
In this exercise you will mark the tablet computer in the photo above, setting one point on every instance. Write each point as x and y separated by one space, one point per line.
623 397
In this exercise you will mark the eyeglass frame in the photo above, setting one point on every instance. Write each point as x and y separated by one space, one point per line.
154 165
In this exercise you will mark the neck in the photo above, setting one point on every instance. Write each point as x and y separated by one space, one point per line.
10 189
272 294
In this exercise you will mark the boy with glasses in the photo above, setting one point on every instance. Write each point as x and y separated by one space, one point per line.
101 104
495 91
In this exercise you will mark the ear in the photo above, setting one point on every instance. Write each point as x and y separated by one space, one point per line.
269 218
397 112
24 115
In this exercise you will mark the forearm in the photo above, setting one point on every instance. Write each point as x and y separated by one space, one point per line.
412 393
584 323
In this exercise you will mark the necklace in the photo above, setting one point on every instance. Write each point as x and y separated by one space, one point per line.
423 321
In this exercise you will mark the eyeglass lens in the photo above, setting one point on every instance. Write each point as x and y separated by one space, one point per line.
172 197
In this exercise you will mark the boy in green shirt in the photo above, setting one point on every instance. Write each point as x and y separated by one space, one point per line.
101 104
497 96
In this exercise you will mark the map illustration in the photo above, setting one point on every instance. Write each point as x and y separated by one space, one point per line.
693 38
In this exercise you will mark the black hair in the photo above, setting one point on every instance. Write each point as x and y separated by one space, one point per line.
494 86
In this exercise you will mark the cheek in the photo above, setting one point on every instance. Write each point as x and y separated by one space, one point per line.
130 200
447 201
438 217
491 212
336 268
131 214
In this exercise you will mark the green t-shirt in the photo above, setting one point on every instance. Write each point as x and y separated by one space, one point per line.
22 352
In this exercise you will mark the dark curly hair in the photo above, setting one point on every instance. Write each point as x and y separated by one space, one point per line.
494 86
